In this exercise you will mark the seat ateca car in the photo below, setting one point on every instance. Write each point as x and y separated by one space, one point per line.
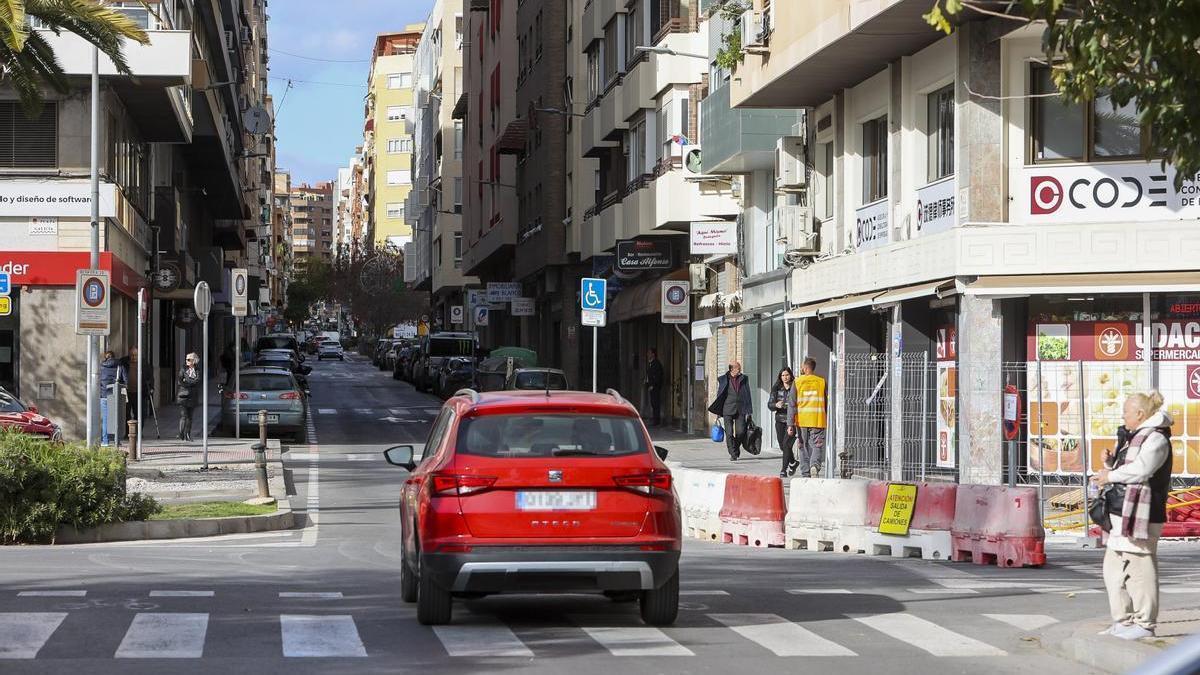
538 491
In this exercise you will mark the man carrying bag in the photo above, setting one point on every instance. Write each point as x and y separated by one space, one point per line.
734 405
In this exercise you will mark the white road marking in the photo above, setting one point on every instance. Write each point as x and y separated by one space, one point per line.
23 634
780 636
637 641
164 636
820 591
481 641
181 594
364 411
703 592
363 457
51 594
320 636
1178 590
942 591
326 411
1024 621
335 595
928 636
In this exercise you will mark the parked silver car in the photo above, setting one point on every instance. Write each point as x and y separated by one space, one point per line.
274 390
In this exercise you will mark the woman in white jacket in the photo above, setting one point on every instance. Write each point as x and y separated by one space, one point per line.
1143 468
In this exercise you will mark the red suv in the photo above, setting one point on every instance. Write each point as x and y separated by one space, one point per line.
536 491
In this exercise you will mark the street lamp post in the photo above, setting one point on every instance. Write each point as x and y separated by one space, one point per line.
93 356
670 52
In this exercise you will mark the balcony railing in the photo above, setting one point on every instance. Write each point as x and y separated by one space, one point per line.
671 26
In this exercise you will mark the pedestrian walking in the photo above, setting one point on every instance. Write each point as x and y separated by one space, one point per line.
654 383
808 416
734 404
1141 470
137 383
110 377
783 399
188 394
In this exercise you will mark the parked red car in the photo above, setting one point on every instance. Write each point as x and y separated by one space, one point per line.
17 415
524 491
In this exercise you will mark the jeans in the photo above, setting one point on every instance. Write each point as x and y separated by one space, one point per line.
104 440
786 441
735 430
811 448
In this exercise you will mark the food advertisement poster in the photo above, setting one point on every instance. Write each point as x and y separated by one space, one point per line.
1087 371
947 397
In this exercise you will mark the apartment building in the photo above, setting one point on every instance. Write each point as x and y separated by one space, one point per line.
312 222
178 196
388 135
283 237
978 233
636 180
434 262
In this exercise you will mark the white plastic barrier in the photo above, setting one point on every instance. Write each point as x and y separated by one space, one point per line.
826 514
682 479
703 496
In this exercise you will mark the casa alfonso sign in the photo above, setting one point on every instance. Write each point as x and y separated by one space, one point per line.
645 254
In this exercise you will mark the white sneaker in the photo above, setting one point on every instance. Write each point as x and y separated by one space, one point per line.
1112 630
1134 632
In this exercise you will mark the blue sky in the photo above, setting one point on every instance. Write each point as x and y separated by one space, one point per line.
319 125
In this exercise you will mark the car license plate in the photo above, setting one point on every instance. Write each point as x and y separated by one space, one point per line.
253 418
556 500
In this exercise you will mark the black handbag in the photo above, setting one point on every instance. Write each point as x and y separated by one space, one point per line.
753 441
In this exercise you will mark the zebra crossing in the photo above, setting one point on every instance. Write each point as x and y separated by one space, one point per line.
187 635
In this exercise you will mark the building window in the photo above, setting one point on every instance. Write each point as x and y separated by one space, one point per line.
458 80
395 210
874 159
612 47
399 177
28 143
940 127
395 113
637 149
458 31
824 167
399 81
458 246
395 145
1095 130
458 139
595 78
458 184
437 255
635 31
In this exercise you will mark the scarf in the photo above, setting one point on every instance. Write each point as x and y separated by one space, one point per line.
1135 512
736 382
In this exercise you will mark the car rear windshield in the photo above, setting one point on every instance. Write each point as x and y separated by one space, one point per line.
552 435
276 343
263 382
451 347
537 380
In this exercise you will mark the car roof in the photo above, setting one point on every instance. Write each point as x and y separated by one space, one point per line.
539 370
532 401
265 370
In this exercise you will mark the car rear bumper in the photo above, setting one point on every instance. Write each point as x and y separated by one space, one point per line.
496 569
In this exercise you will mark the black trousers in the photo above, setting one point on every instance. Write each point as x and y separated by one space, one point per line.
655 396
735 431
786 443
185 421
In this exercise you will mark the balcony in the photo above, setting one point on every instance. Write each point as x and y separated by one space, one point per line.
741 140
670 203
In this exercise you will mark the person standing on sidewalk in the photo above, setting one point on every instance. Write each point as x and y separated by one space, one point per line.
654 383
188 394
783 400
808 416
734 404
110 376
137 383
1143 468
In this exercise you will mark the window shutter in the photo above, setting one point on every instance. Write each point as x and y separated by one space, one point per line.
28 143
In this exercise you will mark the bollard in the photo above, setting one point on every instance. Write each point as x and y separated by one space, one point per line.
260 455
133 450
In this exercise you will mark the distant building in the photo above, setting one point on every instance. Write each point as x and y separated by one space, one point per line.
388 135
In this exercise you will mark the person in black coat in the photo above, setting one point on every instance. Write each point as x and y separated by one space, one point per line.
734 404
654 383
188 394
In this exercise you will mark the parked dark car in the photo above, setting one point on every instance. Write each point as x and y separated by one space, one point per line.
435 349
455 374
537 378
281 359
402 358
280 341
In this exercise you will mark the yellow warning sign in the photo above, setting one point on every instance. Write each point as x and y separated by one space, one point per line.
898 509
5 305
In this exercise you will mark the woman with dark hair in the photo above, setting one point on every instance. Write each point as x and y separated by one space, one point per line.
783 396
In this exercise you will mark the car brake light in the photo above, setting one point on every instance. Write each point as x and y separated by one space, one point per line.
460 484
646 482
289 396
230 395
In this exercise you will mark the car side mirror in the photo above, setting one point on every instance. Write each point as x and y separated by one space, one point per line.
400 455
661 452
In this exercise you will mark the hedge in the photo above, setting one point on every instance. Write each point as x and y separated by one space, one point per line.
44 485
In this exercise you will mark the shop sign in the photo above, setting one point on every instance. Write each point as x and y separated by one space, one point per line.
58 268
936 208
714 238
946 353
871 225
55 198
503 291
1094 193
523 307
643 254
1171 340
43 227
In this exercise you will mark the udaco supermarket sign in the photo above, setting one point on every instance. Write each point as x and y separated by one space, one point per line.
1121 192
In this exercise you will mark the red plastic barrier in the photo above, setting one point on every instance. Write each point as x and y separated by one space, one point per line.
934 509
1184 514
996 524
753 511
1190 528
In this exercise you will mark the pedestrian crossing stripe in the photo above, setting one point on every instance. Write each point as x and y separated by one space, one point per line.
180 635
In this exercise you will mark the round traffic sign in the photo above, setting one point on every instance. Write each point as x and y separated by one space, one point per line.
93 292
239 284
676 295
202 300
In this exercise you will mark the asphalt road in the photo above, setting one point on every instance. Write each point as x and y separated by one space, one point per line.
326 598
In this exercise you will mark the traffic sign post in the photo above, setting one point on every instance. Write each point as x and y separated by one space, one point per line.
202 299
92 305
141 300
239 279
456 314
676 308
593 306
5 284
480 315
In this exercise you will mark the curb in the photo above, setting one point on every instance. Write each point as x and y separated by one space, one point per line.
1079 642
282 519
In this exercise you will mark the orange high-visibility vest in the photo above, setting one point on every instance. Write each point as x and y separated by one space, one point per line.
810 402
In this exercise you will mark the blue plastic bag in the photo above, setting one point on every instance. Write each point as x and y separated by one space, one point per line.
718 433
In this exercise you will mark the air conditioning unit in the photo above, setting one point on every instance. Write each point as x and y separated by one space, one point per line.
422 98
693 162
698 274
752 29
795 229
790 174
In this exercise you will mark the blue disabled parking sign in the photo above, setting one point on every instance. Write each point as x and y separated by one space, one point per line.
5 288
593 294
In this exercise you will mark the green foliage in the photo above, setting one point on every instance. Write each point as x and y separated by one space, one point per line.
44 485
1134 50
212 510
26 59
729 55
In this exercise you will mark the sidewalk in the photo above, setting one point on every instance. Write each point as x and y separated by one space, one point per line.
699 452
1079 641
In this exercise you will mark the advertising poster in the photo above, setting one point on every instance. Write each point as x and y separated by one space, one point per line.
947 397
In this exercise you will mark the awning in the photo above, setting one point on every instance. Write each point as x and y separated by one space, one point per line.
709 301
641 299
752 316
703 329
848 302
1090 284
943 288
804 311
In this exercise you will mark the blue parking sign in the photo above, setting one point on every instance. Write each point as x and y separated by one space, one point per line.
5 287
593 293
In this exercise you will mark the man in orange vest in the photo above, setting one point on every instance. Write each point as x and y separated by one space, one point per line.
808 415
